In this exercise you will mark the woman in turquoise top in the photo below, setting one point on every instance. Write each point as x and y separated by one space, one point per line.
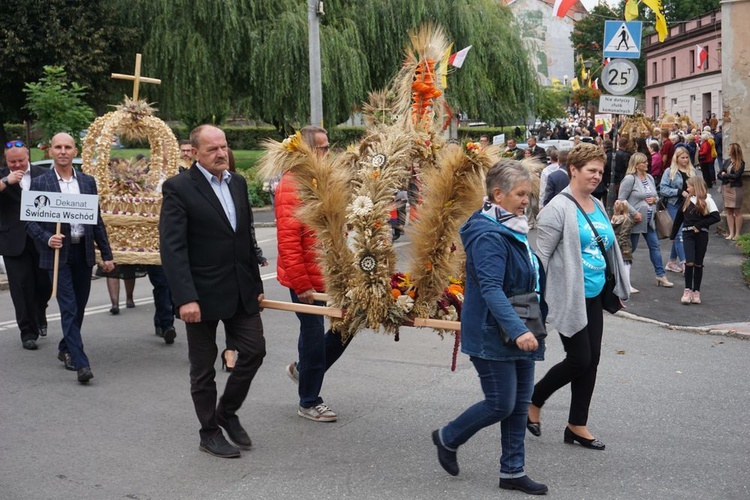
576 270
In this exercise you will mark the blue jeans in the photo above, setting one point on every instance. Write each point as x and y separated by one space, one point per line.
318 351
163 312
507 387
73 288
654 252
678 251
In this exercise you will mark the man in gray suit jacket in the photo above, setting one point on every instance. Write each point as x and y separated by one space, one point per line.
207 242
76 245
30 287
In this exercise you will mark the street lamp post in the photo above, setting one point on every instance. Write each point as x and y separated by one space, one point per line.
314 11
531 114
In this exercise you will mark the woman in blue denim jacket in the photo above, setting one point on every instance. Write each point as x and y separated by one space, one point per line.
500 268
672 187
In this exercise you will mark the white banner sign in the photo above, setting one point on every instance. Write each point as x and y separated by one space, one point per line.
617 105
43 206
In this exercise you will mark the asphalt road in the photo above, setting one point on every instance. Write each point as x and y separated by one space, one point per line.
669 404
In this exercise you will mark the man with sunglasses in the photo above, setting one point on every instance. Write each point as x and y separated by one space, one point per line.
76 245
30 287
297 269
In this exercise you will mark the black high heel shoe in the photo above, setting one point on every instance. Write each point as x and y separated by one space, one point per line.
114 310
534 427
224 361
571 437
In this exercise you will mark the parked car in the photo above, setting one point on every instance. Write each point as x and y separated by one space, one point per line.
77 162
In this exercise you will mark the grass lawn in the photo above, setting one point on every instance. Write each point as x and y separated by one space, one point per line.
245 158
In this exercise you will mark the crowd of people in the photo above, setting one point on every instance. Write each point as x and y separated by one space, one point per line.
211 263
646 174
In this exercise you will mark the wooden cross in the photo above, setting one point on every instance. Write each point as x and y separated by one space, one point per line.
137 79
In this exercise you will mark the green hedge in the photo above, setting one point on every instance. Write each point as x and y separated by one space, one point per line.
473 133
15 131
252 137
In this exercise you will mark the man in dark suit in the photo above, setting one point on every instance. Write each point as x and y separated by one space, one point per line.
537 151
76 245
30 287
207 243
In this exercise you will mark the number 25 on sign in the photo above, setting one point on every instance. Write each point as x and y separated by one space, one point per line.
620 77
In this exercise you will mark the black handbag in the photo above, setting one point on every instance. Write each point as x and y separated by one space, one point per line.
610 301
528 309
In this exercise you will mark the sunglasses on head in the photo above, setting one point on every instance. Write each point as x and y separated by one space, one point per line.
14 144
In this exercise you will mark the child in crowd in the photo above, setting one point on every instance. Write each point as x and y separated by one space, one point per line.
622 223
698 212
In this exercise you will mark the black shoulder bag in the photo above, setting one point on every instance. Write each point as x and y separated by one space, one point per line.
610 301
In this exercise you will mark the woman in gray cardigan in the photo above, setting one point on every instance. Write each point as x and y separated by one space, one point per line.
639 190
575 270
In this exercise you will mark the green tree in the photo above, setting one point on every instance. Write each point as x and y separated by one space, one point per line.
682 10
57 105
257 63
85 36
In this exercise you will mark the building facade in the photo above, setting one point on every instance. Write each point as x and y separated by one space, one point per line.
547 37
674 83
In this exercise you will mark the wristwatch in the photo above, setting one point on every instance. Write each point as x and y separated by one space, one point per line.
4 180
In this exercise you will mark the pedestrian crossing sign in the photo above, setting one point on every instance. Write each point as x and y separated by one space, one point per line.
622 39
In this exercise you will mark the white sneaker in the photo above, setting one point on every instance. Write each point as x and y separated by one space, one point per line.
318 413
673 267
292 373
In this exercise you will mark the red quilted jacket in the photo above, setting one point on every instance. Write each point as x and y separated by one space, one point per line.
297 261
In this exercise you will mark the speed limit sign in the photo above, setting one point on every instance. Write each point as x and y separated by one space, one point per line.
620 77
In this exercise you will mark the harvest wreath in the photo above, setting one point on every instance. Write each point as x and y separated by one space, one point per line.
345 198
129 195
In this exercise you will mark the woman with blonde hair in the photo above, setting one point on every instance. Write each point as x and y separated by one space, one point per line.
697 213
731 189
639 190
673 184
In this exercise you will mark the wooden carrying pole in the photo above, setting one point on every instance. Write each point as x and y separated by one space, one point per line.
57 265
335 312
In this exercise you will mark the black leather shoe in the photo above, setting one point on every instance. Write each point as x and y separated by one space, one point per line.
67 360
43 331
235 431
446 457
524 484
30 345
168 334
571 437
219 447
534 427
84 375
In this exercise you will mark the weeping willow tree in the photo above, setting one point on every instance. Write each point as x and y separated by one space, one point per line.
252 56
199 50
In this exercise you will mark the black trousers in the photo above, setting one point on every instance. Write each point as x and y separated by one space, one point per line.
582 353
247 332
695 245
30 290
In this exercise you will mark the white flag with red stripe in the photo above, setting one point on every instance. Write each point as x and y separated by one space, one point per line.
701 55
562 7
457 59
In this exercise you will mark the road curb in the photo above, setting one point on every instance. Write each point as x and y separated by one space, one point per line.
703 330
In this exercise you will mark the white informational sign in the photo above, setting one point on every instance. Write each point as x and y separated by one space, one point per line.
44 206
617 105
622 39
619 77
498 140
